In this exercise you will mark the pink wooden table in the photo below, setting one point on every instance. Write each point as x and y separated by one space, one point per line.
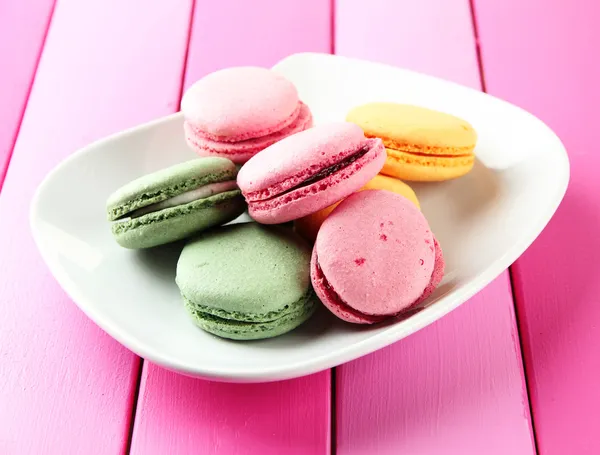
513 371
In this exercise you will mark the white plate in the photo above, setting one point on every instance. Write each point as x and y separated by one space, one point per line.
483 221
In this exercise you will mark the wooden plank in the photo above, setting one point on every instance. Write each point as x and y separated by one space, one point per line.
542 56
431 36
23 27
177 414
262 32
65 386
457 386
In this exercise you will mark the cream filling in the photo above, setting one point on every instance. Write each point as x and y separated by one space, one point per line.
184 198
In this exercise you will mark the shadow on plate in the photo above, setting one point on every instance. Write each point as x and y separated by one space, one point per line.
459 199
161 261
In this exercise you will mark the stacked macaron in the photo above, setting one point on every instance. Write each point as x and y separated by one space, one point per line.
247 281
174 203
375 257
237 112
309 171
359 242
422 145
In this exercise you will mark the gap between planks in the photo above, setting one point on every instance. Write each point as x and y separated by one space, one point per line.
510 269
141 362
4 167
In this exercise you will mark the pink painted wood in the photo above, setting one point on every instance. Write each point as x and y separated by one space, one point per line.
262 32
66 387
431 36
542 56
23 27
456 387
177 414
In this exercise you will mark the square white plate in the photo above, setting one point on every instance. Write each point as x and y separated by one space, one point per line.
483 222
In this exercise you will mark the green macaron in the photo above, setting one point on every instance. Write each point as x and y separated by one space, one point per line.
175 202
247 281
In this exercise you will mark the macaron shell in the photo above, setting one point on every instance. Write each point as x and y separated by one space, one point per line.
248 271
240 330
383 182
176 223
347 313
315 197
333 301
418 168
166 183
242 151
377 252
241 103
309 225
298 157
247 281
424 130
436 276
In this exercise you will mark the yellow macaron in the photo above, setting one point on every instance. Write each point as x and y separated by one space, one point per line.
422 144
309 225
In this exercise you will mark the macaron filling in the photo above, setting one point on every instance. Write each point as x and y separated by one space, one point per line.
429 159
427 150
315 178
326 172
201 192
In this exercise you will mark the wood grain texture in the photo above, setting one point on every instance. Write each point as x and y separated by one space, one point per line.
179 415
542 56
65 386
457 386
23 27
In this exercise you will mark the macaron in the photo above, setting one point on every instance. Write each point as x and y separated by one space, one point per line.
309 171
175 202
237 112
309 225
247 281
422 144
375 257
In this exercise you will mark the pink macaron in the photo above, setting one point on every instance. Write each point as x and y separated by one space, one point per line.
237 112
375 257
309 171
